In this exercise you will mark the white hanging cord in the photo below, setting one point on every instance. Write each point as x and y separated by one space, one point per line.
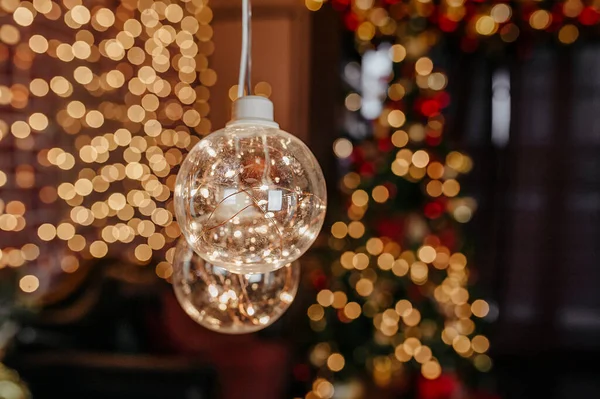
249 108
245 47
249 59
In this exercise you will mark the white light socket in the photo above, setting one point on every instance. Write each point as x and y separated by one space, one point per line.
252 110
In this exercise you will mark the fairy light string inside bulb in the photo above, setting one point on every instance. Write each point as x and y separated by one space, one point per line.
231 303
245 81
250 198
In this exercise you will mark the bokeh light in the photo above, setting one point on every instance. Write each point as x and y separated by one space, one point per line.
108 102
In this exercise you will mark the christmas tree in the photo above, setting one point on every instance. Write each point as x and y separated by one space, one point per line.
396 305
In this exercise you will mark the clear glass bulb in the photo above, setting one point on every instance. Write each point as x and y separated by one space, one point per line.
227 302
250 198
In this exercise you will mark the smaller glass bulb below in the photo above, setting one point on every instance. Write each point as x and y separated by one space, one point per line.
227 302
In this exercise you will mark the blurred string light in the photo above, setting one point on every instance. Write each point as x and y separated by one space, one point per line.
474 19
106 101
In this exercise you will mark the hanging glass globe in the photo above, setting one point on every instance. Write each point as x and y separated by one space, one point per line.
227 302
251 197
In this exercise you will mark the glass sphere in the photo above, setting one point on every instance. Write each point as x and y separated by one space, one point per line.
228 302
250 198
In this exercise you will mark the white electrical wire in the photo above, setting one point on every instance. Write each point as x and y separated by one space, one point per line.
244 59
249 59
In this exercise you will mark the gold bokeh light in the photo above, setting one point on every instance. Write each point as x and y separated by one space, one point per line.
107 103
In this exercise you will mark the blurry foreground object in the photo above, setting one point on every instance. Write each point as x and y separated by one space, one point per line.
11 386
227 302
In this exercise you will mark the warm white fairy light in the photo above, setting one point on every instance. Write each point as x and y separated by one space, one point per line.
105 101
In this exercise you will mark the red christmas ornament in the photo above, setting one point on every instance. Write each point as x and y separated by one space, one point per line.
430 107
351 21
589 16
433 210
446 24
